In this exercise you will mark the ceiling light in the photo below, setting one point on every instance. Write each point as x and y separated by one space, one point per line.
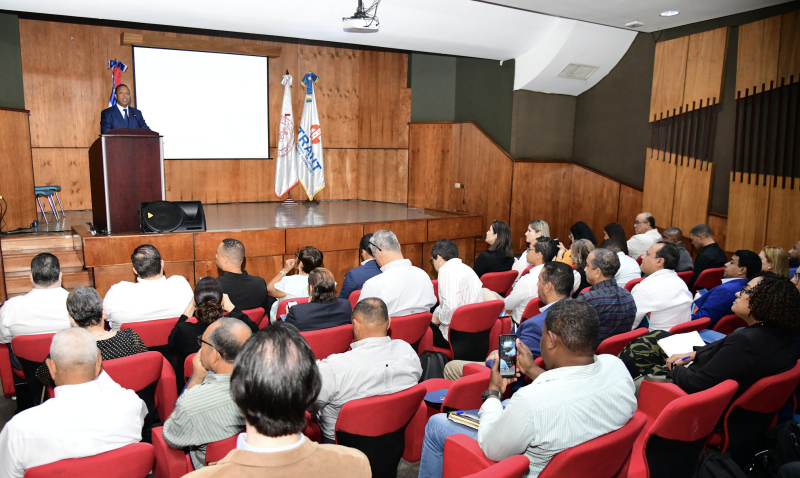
670 13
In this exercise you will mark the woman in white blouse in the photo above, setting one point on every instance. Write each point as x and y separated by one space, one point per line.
284 286
536 229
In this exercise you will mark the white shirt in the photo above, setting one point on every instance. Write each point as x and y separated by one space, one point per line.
458 285
405 289
122 110
665 296
82 420
241 444
520 265
628 270
522 293
147 300
562 408
294 287
40 311
638 244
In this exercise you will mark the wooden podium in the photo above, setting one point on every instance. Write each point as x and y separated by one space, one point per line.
126 167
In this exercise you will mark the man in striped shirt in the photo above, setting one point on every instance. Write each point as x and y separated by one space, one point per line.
206 412
614 305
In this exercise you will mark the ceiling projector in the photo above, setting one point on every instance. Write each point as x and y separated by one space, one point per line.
365 20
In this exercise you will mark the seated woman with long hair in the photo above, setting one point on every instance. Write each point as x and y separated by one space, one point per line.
499 256
579 230
776 260
615 231
324 309
284 286
580 250
85 308
536 229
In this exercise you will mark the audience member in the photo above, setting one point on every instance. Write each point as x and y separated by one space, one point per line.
499 257
369 268
458 285
207 306
628 267
614 305
675 236
615 231
323 309
794 255
796 278
709 254
283 286
555 283
405 289
205 411
767 346
579 230
716 303
85 309
246 291
580 251
536 229
775 259
274 381
580 397
376 365
646 235
662 296
544 250
89 415
151 297
43 310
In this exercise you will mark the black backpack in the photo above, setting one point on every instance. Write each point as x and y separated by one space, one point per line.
713 464
432 365
782 446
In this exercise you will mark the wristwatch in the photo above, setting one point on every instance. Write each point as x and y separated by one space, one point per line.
281 273
491 393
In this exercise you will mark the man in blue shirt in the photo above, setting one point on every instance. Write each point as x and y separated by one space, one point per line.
369 268
555 283
716 303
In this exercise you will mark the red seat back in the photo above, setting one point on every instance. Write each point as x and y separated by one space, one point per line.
640 259
354 296
708 279
188 367
729 323
154 333
135 372
325 342
131 461
256 315
410 328
283 303
219 449
686 276
465 393
34 348
614 345
498 282
690 326
477 317
632 283
523 274
6 371
435 289
532 309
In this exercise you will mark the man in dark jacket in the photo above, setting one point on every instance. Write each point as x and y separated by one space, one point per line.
710 255
369 268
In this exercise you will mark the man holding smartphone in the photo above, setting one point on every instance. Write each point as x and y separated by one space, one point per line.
580 397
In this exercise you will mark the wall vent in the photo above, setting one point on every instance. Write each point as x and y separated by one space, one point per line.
576 71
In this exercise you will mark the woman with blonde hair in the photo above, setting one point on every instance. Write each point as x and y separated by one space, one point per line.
776 260
579 250
536 229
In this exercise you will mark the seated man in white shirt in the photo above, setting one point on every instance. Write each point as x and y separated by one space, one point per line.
527 287
405 289
628 268
646 235
89 415
580 397
458 285
151 297
43 310
376 365
662 295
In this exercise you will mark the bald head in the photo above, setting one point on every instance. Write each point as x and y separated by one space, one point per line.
228 336
73 357
644 222
370 319
673 235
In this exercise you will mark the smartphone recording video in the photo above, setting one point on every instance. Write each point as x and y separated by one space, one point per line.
507 352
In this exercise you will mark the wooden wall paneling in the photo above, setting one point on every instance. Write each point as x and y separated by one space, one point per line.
748 206
117 249
383 175
630 206
68 168
669 75
341 175
326 238
264 242
3 294
384 101
692 195
474 155
659 187
219 181
413 252
455 228
757 60
540 191
705 67
106 276
264 267
466 252
789 55
407 232
783 226
16 179
429 156
339 263
594 199
198 44
719 230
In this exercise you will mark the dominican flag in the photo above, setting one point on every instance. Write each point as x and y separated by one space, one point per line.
286 163
116 67
309 142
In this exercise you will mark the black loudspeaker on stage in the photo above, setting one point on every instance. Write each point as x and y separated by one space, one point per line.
172 216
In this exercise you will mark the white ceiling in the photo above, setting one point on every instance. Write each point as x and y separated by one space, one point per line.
617 13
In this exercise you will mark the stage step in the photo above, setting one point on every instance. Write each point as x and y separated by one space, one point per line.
34 244
20 264
22 284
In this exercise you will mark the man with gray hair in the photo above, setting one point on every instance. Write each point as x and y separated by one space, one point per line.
206 412
43 310
675 236
646 235
89 415
614 305
405 289
709 254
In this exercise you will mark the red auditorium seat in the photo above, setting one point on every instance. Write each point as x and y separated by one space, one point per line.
283 303
729 323
532 309
602 457
174 462
354 296
632 283
512 467
614 345
132 461
410 328
256 315
31 350
470 332
325 342
462 394
523 274
708 279
640 259
686 276
377 427
690 326
435 289
6 371
188 367
154 333
498 282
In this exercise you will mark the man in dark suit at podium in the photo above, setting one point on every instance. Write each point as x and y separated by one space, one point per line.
121 115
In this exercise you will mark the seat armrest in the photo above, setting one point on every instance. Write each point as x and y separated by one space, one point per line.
170 462
654 397
166 391
463 457
473 368
6 372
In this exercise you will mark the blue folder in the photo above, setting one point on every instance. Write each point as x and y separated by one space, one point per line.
710 336
436 397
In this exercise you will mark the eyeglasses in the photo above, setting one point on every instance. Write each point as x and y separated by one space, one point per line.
296 255
376 247
636 223
200 342
430 260
746 290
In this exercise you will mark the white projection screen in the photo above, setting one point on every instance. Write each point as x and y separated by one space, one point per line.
205 105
